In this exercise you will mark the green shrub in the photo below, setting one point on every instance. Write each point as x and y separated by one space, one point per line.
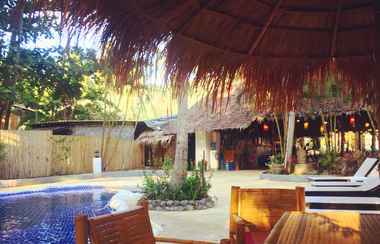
2 151
158 187
327 160
277 159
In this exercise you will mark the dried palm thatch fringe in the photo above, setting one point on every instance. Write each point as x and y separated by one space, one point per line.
273 48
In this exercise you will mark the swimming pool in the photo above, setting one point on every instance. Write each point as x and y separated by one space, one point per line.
47 216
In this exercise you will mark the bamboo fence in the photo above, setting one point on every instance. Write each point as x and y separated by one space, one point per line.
39 153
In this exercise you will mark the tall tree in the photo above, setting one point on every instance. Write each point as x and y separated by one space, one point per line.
180 163
22 24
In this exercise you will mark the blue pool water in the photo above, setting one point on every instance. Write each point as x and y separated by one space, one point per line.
47 216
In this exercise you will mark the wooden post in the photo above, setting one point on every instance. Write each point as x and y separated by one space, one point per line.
81 229
290 139
300 194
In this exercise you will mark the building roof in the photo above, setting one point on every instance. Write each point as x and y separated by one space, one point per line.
73 123
154 137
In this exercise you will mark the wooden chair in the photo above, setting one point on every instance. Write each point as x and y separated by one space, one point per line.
257 210
132 227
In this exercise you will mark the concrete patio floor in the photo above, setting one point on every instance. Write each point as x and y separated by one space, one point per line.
210 224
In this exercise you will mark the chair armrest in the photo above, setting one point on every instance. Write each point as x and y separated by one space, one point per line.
241 223
241 227
179 241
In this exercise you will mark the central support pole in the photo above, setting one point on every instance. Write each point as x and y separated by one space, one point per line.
290 139
179 171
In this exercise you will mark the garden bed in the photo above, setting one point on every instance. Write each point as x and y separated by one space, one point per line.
184 205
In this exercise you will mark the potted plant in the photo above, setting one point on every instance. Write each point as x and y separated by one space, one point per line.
276 164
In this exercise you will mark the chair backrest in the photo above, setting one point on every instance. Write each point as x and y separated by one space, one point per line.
264 207
368 165
128 227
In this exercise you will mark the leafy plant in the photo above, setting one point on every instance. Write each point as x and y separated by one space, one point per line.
276 159
2 151
327 160
158 187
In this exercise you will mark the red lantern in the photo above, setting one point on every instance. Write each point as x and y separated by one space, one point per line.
352 120
265 127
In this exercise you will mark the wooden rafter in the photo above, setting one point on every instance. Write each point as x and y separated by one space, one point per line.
162 23
335 31
316 10
200 9
265 28
285 27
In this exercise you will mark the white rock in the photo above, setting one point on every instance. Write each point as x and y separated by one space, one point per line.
126 200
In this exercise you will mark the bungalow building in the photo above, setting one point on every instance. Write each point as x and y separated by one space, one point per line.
236 136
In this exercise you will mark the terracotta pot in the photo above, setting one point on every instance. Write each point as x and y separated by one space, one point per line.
276 168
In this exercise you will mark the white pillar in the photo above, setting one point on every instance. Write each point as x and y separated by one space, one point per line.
290 138
201 147
213 146
97 164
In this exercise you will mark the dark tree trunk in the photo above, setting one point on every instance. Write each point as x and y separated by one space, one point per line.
7 118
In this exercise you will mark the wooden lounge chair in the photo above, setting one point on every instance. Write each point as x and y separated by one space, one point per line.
254 212
132 227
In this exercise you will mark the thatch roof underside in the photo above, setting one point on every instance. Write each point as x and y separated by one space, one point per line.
272 46
154 137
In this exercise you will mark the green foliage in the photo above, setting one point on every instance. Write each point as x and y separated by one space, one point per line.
158 187
327 160
277 159
167 166
59 85
2 151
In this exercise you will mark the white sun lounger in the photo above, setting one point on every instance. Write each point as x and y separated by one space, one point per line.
338 183
367 167
363 198
371 183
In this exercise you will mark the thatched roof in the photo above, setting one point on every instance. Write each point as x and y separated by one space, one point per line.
273 46
233 113
154 137
236 112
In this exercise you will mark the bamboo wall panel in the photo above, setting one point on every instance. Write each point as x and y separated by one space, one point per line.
39 153
28 154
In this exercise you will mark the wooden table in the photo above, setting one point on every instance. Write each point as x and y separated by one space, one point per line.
325 228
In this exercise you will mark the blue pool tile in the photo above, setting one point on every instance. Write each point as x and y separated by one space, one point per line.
47 216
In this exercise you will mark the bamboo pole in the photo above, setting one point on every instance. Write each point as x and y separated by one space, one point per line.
290 139
279 134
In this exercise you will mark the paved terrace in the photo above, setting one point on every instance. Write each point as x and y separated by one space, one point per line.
210 224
